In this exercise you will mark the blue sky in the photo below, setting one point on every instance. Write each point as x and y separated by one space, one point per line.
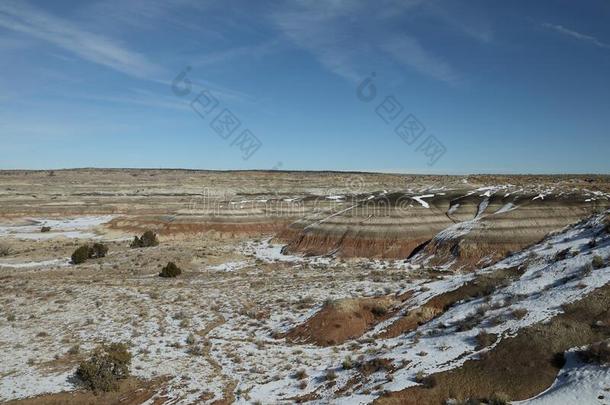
502 87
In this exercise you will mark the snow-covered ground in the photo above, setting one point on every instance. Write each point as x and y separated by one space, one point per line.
80 227
577 383
237 310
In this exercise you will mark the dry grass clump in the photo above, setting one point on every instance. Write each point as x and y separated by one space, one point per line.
428 381
170 270
519 313
375 365
597 353
148 239
107 365
85 252
561 255
347 363
485 339
330 375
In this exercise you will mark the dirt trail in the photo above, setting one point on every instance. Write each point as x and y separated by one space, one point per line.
230 384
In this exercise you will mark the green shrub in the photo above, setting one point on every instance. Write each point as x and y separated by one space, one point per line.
148 239
84 252
597 262
170 270
107 365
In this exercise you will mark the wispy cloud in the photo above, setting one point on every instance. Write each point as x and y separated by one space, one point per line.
146 15
138 98
248 52
346 35
31 21
576 35
408 51
318 28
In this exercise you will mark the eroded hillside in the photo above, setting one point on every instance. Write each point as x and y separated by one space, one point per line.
306 287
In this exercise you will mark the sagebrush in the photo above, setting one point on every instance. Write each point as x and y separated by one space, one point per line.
108 364
85 252
148 239
170 270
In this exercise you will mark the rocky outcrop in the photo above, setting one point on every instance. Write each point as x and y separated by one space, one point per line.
508 224
463 228
388 226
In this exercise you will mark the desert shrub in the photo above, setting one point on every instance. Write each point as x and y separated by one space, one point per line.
597 262
485 339
170 270
107 365
586 269
592 243
330 375
300 374
374 366
4 250
80 255
428 381
379 310
84 252
597 353
468 323
196 350
98 250
561 255
607 223
148 239
45 229
519 313
347 363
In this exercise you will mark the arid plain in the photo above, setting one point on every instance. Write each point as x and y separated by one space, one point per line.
306 287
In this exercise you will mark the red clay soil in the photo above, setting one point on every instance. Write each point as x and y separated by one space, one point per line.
436 306
343 320
389 247
519 367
